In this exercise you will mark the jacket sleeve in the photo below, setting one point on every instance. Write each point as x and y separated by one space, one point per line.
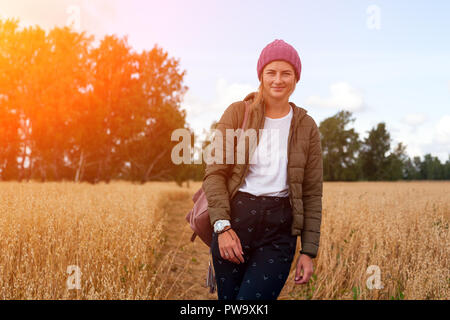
312 195
216 174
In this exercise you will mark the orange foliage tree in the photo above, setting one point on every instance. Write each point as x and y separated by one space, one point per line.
70 110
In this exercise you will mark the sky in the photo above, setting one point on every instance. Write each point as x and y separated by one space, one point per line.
385 61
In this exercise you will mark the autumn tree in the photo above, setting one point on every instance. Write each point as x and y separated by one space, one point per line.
69 110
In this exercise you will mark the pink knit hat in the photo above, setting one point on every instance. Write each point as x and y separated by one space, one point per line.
279 50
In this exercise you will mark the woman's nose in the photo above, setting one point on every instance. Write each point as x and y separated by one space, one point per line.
278 78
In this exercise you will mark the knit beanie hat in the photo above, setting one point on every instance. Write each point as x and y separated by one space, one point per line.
279 50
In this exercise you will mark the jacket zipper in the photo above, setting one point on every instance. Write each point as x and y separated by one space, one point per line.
288 149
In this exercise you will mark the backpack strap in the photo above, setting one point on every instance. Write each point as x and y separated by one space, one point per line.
211 277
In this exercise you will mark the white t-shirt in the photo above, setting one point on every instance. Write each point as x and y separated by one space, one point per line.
267 174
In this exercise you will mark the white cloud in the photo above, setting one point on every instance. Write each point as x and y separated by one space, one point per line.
415 119
430 137
417 140
442 133
227 93
441 139
201 113
342 96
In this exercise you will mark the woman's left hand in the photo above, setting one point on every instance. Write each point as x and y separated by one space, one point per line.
304 264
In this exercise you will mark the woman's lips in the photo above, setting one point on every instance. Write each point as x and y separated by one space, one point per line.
278 88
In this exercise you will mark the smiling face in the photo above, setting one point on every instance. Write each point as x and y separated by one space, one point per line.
278 80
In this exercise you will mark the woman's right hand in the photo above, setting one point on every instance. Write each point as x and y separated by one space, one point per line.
230 244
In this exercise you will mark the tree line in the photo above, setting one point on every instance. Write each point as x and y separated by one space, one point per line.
72 110
346 157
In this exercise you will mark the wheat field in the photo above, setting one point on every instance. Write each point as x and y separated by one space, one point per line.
112 232
130 241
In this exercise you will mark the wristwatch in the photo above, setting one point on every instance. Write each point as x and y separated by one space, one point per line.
219 225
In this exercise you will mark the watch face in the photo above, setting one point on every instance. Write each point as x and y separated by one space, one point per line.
220 226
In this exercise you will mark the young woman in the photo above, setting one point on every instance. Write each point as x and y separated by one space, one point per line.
259 207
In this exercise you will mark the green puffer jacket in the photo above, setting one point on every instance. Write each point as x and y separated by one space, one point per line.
305 171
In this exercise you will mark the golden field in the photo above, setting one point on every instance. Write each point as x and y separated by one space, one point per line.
112 232
131 241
